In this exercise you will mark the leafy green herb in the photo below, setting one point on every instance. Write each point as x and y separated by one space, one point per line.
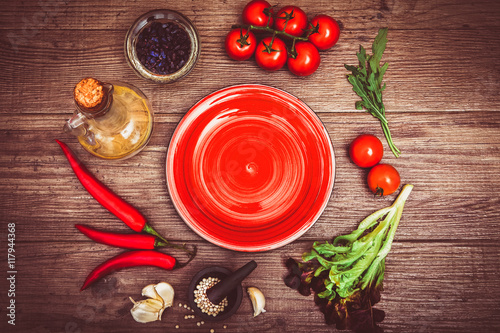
366 80
347 274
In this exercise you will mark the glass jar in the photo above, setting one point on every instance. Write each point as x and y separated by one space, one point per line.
164 17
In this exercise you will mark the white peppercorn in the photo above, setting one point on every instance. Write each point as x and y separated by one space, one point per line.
201 298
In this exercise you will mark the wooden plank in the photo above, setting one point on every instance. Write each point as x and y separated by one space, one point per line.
451 169
441 80
443 278
33 16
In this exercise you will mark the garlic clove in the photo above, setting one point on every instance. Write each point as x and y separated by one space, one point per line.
258 300
161 312
146 310
166 292
149 304
149 291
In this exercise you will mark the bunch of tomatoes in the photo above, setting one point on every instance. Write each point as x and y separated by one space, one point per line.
366 151
289 25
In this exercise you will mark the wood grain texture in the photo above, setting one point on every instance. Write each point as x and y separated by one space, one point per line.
442 101
437 44
410 292
440 80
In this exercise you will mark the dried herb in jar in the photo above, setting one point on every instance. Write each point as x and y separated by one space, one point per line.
163 48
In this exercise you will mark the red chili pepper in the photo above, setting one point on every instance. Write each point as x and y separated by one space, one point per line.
116 205
125 241
130 259
109 200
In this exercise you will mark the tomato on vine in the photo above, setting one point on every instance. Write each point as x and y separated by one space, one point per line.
383 179
325 32
240 44
366 150
258 13
292 20
303 39
304 60
271 54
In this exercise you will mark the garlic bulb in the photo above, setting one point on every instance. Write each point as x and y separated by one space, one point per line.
160 295
258 300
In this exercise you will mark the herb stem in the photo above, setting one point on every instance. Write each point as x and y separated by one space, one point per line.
387 133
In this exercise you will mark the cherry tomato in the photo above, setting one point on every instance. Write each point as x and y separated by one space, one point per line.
297 23
366 150
254 13
271 57
239 45
383 179
328 32
306 61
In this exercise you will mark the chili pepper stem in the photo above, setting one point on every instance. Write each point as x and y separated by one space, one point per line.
191 253
149 229
159 243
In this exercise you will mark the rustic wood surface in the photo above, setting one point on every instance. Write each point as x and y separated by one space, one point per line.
443 103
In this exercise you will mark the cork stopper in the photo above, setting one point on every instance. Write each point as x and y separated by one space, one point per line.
90 94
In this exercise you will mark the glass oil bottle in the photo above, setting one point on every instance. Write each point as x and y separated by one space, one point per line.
112 120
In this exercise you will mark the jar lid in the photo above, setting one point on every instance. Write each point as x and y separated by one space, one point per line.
90 94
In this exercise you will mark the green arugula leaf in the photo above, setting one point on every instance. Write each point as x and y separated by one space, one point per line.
381 74
378 47
360 105
362 60
366 80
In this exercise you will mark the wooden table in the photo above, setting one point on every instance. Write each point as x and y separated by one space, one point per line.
443 103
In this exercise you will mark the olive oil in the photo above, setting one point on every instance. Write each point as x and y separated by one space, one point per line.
118 125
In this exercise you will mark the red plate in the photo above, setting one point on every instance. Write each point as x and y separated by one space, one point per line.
250 168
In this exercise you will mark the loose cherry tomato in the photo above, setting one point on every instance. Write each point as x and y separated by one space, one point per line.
240 44
366 150
306 60
383 179
271 57
326 32
297 22
255 13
